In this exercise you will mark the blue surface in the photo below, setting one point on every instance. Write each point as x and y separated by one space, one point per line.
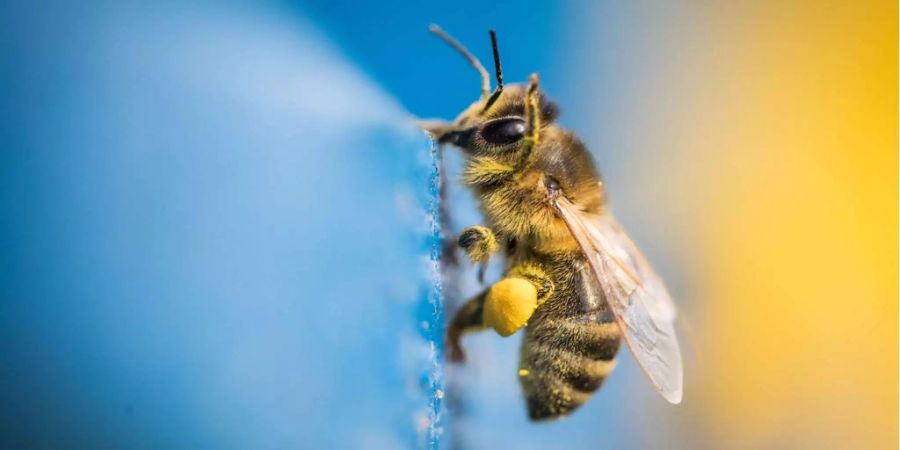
199 250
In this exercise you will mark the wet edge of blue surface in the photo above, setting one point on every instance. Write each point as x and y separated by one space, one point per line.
431 313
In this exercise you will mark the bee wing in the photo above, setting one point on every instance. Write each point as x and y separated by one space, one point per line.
660 302
635 294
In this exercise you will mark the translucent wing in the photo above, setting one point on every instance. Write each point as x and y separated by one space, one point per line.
635 294
660 303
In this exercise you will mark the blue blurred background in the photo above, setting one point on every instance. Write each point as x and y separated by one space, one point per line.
216 220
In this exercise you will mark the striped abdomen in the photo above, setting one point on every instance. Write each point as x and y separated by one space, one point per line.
564 360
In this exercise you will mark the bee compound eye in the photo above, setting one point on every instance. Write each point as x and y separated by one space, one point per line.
504 131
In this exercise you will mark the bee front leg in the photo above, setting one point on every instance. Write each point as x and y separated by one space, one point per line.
479 243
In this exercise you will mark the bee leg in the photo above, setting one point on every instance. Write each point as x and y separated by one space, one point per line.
468 318
506 307
482 268
536 276
438 129
479 243
509 304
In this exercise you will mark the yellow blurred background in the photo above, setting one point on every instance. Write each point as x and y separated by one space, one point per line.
775 162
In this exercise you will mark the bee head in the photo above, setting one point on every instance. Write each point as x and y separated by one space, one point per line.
497 131
518 159
495 125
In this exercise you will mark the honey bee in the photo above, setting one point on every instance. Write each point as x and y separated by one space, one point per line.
573 279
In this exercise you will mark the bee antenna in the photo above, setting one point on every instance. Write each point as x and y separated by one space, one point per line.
485 78
498 71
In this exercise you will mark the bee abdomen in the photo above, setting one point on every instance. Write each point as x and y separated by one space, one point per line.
564 364
591 339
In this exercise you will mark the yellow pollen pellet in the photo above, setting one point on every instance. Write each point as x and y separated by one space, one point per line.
523 372
509 304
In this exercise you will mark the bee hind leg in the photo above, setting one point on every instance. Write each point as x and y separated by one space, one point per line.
506 307
470 317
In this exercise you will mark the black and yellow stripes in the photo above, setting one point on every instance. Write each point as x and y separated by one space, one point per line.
597 341
571 340
558 375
